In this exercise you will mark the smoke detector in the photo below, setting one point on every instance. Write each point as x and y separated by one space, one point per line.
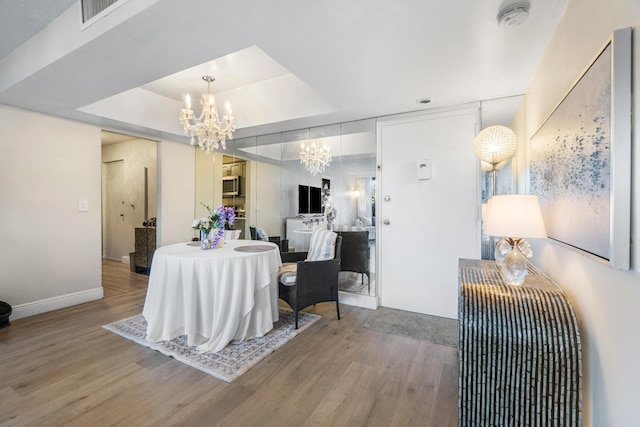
513 14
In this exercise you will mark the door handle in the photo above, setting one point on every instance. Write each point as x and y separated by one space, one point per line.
386 222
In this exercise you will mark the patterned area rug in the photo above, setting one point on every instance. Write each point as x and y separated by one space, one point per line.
439 330
230 362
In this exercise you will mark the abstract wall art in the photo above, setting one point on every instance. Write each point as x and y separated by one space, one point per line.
579 159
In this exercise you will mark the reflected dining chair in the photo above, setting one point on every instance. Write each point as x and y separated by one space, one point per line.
232 234
355 254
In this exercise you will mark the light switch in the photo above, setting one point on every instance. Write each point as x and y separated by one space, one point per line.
424 169
83 205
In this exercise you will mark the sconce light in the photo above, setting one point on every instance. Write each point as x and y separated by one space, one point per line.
495 145
514 217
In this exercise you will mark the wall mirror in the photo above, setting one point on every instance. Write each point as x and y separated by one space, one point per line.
271 189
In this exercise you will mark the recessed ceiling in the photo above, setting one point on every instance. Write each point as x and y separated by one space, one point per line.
281 67
249 74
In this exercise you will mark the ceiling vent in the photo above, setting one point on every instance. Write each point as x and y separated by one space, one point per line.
92 8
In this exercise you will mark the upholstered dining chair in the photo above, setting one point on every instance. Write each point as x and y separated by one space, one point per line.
232 234
315 279
260 234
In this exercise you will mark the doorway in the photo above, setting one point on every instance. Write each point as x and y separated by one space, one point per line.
427 222
129 194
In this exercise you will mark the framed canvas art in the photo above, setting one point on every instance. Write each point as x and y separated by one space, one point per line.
580 159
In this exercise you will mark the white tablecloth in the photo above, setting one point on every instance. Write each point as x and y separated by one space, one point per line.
212 296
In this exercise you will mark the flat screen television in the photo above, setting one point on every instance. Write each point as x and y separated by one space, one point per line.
303 199
309 199
315 200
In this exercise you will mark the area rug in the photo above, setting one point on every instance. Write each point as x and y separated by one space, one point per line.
230 362
436 329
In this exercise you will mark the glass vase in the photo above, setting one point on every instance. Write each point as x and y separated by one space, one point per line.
205 242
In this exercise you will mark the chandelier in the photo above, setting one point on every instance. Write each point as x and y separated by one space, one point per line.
315 157
207 129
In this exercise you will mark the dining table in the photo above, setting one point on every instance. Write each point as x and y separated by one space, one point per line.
212 296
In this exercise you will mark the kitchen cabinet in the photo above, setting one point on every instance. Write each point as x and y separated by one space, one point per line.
233 169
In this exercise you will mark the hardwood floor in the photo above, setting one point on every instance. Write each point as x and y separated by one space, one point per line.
62 368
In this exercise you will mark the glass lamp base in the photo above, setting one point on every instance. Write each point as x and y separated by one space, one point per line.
511 261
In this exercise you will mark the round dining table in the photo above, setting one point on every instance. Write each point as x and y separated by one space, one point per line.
212 296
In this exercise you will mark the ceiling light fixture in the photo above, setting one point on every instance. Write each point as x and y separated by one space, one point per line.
513 14
315 157
207 129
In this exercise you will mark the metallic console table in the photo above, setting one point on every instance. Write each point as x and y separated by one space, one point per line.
520 353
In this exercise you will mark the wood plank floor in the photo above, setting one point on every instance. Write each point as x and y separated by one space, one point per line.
62 368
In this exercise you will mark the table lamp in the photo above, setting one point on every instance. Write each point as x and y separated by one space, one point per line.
514 217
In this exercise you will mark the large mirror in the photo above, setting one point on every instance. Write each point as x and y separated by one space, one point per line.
274 195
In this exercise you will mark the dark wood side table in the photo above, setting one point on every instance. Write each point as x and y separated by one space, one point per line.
145 244
520 351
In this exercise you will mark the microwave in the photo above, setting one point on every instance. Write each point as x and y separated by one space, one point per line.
231 185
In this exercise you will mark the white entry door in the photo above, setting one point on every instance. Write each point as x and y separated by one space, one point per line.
426 225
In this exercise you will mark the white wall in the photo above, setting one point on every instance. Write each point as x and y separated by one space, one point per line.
268 196
50 255
208 181
176 188
605 300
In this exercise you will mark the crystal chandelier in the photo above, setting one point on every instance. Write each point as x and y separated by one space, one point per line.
207 130
315 157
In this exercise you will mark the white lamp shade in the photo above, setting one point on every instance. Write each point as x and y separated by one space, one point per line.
514 215
495 144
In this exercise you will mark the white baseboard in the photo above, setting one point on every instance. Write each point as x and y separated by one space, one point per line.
126 260
55 303
364 301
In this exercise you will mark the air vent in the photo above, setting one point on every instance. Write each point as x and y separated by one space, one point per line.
91 8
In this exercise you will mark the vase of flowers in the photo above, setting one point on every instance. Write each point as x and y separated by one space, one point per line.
212 226
330 214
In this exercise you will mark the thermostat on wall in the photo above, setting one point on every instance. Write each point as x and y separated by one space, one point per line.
424 169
